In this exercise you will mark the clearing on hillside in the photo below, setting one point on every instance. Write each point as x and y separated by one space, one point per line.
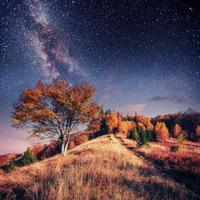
99 169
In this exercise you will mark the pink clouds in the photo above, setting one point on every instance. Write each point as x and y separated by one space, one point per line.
132 108
13 145
12 140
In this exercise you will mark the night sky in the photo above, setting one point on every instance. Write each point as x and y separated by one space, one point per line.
142 56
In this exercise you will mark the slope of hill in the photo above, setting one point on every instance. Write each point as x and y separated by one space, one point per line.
6 157
42 151
99 169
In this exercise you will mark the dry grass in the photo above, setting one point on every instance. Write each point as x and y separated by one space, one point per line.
183 166
100 169
187 159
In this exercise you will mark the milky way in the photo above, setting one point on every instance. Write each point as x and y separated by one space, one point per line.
56 60
141 56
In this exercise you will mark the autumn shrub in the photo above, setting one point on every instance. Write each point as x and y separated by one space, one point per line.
180 139
80 139
161 131
177 130
71 144
28 157
9 167
197 133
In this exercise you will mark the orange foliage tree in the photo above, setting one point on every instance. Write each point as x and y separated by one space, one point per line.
55 110
96 122
146 121
162 132
126 126
177 130
197 132
112 121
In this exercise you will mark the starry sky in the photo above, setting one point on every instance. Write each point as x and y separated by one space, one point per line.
141 55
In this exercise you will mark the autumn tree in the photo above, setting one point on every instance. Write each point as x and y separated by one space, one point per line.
141 126
96 122
112 121
55 110
197 132
161 131
126 126
177 130
146 121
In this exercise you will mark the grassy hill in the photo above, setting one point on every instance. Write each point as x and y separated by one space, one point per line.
103 168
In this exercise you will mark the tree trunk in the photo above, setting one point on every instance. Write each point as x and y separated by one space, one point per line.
64 148
65 144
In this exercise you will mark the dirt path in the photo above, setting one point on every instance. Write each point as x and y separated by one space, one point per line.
169 174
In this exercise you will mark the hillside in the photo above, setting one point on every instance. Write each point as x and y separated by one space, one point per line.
43 151
99 169
6 157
